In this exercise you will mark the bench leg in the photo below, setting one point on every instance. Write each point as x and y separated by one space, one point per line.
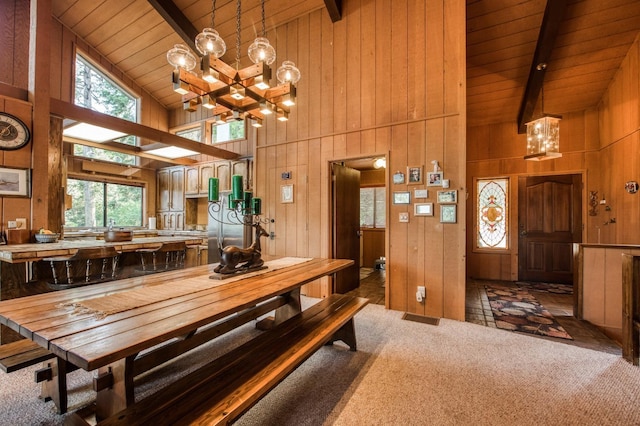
114 387
347 334
55 387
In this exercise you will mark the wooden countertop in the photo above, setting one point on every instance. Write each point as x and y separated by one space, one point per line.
19 253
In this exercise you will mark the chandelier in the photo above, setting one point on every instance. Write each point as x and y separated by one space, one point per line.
543 134
229 92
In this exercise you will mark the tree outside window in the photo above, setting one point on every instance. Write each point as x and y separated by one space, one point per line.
226 132
373 207
97 92
96 204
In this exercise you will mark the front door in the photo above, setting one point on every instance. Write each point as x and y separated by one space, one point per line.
346 225
550 221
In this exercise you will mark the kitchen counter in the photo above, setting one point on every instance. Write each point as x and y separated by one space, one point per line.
20 253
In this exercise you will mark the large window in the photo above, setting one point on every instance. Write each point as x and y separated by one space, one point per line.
228 131
492 213
97 204
96 91
373 207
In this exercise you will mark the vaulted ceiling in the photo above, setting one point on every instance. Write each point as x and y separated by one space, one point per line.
592 39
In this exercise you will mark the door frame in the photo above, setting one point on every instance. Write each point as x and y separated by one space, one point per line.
331 223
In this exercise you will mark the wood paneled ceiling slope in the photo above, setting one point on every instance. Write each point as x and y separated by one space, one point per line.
592 39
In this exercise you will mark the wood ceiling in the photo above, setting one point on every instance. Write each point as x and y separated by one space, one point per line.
593 38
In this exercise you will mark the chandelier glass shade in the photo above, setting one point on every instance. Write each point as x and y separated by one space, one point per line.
262 51
229 92
543 138
208 42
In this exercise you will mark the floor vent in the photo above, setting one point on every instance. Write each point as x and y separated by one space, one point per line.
420 318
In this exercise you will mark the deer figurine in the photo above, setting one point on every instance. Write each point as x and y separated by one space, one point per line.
231 256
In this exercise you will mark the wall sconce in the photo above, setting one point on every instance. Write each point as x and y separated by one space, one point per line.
593 203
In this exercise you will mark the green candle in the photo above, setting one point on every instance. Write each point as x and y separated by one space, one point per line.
232 202
236 187
213 189
257 206
247 200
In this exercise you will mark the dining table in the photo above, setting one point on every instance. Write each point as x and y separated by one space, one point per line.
122 328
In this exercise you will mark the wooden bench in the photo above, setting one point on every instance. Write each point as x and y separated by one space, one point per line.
86 266
225 388
22 353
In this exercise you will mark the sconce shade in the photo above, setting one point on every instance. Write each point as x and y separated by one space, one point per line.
543 138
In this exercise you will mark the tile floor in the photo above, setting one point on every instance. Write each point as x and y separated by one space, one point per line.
478 310
584 333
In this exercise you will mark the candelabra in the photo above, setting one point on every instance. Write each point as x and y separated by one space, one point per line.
241 209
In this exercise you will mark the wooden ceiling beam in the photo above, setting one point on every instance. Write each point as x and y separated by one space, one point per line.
129 149
334 7
176 19
73 112
551 21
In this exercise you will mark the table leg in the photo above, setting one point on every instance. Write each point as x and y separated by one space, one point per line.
54 387
114 387
291 307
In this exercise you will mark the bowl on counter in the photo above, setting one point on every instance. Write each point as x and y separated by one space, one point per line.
47 238
118 235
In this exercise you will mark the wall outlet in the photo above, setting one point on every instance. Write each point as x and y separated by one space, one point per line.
421 294
12 224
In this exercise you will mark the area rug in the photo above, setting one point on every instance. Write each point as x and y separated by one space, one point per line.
516 309
554 288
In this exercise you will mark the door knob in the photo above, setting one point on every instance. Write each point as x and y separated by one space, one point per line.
523 233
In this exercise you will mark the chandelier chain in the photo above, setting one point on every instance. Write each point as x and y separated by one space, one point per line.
264 29
238 11
213 13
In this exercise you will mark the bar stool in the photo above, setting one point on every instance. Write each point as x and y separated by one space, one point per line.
86 266
167 257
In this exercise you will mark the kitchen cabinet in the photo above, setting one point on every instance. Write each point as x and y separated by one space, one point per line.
197 179
170 205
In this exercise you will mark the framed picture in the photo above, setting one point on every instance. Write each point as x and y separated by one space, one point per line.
286 193
423 209
398 178
420 193
448 197
15 182
415 175
434 179
448 213
402 197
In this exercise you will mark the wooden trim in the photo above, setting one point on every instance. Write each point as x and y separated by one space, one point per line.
14 92
73 112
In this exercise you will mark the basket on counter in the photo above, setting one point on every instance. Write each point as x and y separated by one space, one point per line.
47 238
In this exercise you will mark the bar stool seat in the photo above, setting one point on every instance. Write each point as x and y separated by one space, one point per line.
86 266
167 257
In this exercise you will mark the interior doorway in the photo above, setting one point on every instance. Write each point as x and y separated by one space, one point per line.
549 223
364 205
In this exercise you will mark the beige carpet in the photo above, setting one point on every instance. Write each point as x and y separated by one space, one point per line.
408 373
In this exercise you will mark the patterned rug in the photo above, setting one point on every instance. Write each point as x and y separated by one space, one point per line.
516 309
546 287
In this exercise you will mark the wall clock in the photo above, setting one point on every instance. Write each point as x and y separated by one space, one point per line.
14 134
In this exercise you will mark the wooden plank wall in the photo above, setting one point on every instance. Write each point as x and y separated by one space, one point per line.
365 92
603 144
